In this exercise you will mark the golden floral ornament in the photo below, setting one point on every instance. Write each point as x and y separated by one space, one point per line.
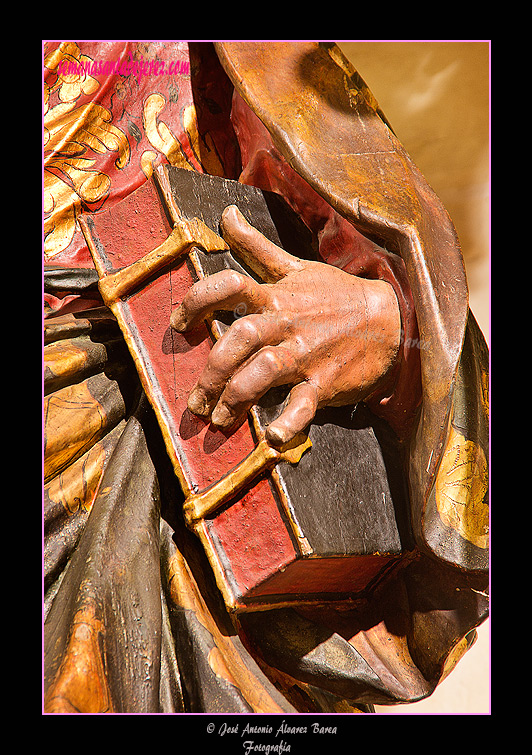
76 487
70 176
461 486
70 85
160 136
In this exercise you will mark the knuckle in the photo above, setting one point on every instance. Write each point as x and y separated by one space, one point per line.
236 392
245 330
235 281
272 360
219 361
208 382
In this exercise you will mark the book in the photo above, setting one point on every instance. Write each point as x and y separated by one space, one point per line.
328 528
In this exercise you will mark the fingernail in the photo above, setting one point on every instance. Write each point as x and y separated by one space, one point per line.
231 215
221 416
197 403
177 320
231 209
275 436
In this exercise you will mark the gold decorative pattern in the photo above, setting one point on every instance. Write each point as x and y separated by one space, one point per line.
185 235
80 684
159 135
70 176
76 487
263 457
202 145
64 358
485 392
74 421
461 486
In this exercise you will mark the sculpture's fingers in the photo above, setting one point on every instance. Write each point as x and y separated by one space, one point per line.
271 366
298 413
244 338
270 262
225 290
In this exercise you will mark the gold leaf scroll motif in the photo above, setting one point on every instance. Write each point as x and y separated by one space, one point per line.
461 486
202 145
160 136
80 685
74 421
76 487
69 131
70 85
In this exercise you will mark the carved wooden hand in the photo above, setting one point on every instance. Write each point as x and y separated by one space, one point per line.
333 336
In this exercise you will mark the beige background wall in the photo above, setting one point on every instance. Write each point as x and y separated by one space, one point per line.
436 97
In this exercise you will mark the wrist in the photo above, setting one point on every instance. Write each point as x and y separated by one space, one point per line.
384 316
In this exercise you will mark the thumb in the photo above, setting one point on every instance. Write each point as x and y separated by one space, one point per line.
269 261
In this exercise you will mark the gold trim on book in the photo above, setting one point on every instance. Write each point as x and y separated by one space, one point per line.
185 235
264 457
